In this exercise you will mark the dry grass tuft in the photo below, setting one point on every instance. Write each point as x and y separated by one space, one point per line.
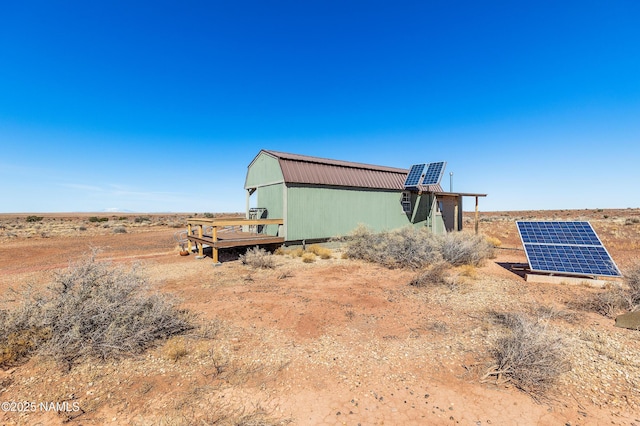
435 275
321 252
175 348
308 257
495 242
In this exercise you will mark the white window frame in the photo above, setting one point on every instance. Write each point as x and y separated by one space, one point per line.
406 202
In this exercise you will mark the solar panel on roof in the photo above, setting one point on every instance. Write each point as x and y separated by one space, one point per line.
415 176
434 173
565 247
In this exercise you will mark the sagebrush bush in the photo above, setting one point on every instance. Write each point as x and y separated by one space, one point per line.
404 247
93 309
416 248
258 258
530 355
459 249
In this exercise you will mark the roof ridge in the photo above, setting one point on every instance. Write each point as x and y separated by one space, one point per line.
342 163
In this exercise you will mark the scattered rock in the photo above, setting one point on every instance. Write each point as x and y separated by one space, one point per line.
630 320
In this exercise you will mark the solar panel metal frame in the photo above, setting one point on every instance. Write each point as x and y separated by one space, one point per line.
415 175
565 247
433 173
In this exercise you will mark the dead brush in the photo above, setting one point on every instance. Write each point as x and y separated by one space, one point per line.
529 355
616 298
90 310
258 258
609 303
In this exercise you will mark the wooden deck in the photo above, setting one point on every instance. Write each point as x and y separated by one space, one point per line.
226 233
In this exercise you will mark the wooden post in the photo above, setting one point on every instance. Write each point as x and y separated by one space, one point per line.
188 235
214 237
476 215
200 235
456 212
246 212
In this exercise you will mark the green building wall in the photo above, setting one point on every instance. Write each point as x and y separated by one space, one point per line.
263 171
322 212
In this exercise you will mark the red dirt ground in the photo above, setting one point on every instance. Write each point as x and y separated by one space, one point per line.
335 341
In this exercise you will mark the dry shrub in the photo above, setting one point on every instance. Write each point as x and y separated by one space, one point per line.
435 275
321 252
609 302
468 271
293 253
258 258
90 310
415 248
459 248
280 251
530 355
308 257
404 247
632 279
175 348
495 242
616 298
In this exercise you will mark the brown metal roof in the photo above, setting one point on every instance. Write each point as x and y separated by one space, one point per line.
323 171
305 169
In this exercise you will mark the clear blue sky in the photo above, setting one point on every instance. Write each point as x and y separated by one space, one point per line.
160 106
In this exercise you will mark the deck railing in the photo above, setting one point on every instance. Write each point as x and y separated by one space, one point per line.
223 226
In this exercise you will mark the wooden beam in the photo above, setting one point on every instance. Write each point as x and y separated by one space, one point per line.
200 234
238 242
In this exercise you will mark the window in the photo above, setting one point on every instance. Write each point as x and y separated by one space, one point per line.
406 202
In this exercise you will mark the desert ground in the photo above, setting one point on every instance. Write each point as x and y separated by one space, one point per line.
330 342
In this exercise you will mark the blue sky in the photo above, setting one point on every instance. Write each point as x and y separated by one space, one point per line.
160 106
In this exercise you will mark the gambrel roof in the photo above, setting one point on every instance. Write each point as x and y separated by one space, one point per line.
305 169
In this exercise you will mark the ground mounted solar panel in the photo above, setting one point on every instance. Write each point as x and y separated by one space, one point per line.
565 247
433 175
415 176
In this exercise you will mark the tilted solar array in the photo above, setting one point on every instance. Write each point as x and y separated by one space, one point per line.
566 247
415 176
425 174
433 175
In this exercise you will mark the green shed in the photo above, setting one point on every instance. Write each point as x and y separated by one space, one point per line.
319 198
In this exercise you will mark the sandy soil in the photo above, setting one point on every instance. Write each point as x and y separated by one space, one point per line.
335 341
